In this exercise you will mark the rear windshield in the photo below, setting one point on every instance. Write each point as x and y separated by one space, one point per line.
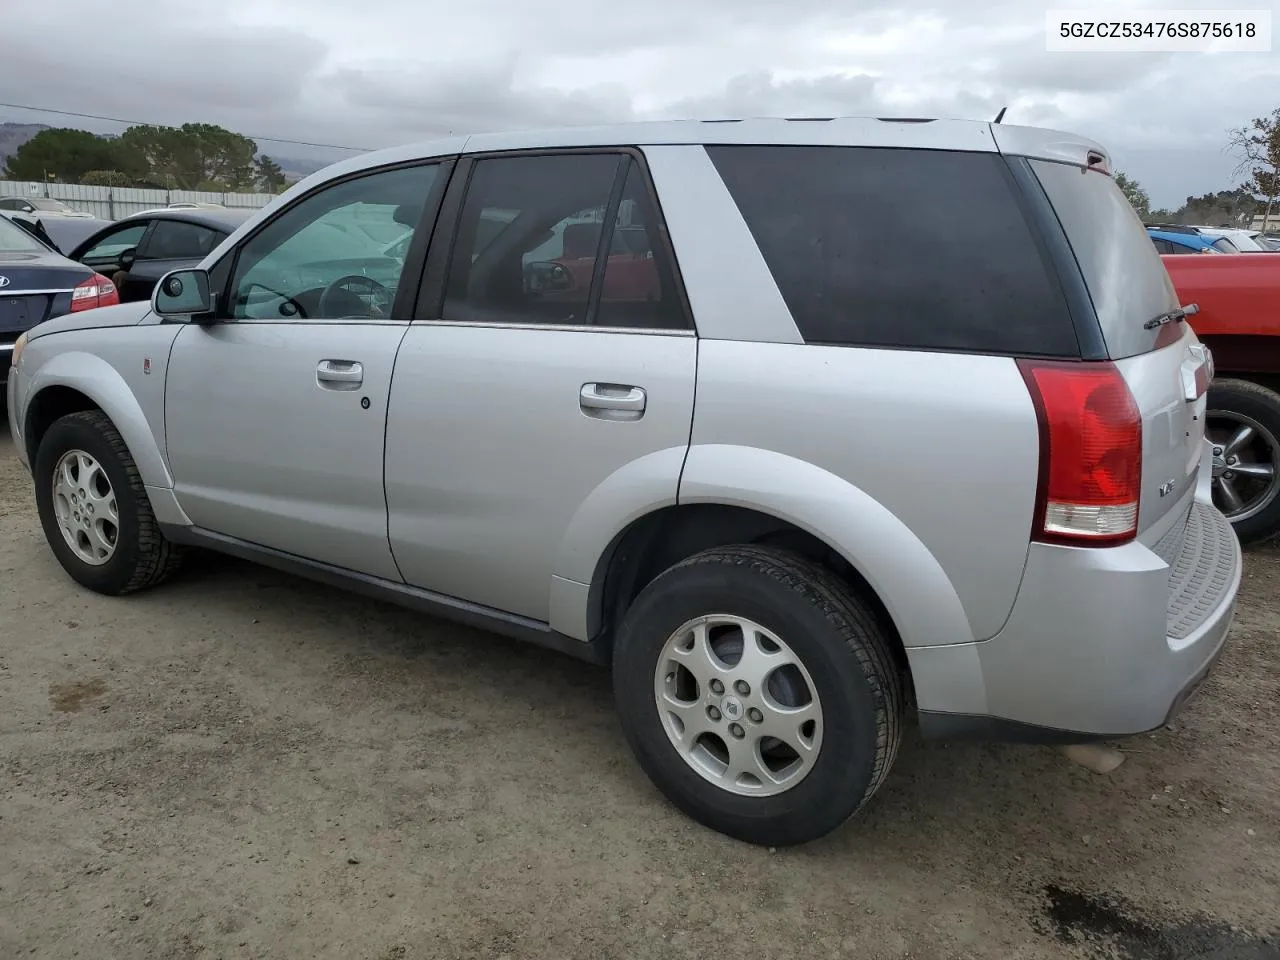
884 247
1126 280
14 239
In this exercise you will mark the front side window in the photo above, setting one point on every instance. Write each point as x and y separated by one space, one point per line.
175 240
336 254
116 242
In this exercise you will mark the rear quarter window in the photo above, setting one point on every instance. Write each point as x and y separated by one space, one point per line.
885 247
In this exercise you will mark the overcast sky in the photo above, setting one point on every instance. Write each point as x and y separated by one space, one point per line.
372 73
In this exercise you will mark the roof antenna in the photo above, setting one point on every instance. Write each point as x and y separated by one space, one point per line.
1000 115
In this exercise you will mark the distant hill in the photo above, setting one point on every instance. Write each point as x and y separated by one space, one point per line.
14 135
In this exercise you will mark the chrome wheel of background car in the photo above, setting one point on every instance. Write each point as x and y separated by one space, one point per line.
85 506
1245 460
738 705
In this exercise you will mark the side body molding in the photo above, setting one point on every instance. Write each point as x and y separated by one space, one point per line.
919 596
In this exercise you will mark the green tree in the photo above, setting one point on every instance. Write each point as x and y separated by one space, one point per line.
194 155
1226 208
1258 148
1133 192
270 175
67 155
108 178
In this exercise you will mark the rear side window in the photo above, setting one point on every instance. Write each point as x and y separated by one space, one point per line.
886 247
1126 280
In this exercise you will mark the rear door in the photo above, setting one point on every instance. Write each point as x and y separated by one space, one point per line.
547 366
1162 361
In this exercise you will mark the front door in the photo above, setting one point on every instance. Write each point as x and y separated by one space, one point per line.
275 415
170 245
559 366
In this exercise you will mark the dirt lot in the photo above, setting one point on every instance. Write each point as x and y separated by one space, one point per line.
243 764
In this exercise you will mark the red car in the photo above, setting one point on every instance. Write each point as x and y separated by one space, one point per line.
1239 320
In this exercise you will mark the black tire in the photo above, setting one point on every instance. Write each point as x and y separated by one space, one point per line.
844 647
1257 403
142 557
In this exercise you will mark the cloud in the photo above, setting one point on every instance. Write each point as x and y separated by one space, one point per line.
378 72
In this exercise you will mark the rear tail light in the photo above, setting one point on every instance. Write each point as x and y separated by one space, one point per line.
97 291
1090 453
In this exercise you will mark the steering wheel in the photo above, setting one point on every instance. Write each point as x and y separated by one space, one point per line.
338 300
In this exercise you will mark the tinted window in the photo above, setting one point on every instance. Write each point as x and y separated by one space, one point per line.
1163 246
527 239
174 240
335 253
116 242
1126 280
890 247
639 287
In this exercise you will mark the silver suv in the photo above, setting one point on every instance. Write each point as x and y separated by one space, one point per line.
805 427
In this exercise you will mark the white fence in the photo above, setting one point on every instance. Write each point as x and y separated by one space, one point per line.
112 203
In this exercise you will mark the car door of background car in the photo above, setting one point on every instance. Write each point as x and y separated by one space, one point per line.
169 245
101 252
275 415
532 378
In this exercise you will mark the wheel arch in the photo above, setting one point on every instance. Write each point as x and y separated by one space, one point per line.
75 381
756 496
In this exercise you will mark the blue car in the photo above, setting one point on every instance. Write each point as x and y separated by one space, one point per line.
1188 240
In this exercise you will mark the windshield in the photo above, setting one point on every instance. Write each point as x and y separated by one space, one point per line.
13 239
1127 282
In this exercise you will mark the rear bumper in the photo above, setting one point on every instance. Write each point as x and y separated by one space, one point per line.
1100 643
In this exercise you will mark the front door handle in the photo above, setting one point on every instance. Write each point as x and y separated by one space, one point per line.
339 374
611 398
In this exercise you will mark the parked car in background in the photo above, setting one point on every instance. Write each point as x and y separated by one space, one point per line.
1172 238
143 247
42 206
788 499
1246 241
1238 318
62 233
186 205
38 283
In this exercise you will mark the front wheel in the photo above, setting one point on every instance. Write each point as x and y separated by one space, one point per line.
94 508
759 693
1243 425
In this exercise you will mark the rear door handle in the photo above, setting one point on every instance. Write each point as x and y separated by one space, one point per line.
611 397
339 374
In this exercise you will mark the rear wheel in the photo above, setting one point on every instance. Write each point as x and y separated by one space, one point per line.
1243 424
758 693
94 508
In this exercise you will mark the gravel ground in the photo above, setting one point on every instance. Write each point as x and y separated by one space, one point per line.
244 764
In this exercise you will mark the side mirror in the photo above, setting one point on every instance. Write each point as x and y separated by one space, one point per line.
182 293
127 257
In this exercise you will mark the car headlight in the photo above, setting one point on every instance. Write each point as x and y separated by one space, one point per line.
17 349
